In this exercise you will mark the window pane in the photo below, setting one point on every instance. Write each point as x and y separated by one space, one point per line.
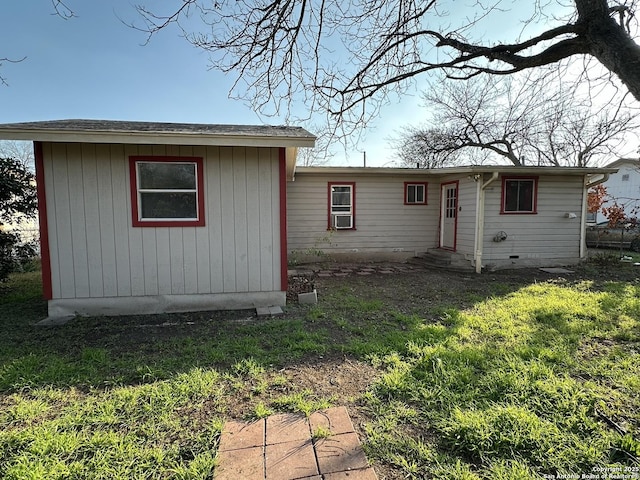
168 205
167 176
341 196
511 195
411 194
518 195
525 197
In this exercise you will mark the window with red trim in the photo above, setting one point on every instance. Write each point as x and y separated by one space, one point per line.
519 195
415 193
342 206
167 191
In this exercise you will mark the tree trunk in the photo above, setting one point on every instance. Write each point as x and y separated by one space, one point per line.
610 43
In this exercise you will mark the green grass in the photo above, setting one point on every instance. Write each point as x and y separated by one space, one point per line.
521 382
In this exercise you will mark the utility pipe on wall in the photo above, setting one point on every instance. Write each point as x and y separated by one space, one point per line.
480 221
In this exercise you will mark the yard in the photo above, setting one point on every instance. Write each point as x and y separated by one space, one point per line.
509 375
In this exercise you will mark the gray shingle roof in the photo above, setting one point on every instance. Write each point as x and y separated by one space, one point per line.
120 129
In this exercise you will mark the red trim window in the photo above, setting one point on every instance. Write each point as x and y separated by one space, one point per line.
519 195
342 206
415 193
167 191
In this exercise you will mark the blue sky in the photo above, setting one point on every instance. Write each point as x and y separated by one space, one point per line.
94 66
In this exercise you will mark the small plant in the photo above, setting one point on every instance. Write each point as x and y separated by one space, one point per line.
296 256
261 411
321 432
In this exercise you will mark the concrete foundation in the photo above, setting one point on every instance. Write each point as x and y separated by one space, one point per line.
144 305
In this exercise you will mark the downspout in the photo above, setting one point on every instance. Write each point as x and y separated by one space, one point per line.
480 221
583 218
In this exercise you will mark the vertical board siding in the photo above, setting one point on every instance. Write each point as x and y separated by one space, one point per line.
92 220
383 221
213 212
267 217
64 243
227 205
95 251
54 256
240 218
253 219
78 220
105 210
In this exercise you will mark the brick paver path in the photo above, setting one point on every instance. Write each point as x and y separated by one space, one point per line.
282 447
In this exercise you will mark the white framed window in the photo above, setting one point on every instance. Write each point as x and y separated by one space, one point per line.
166 191
342 206
415 193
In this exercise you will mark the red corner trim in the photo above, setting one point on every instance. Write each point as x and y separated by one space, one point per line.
45 255
284 280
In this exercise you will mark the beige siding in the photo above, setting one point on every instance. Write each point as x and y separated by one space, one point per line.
383 223
549 234
95 251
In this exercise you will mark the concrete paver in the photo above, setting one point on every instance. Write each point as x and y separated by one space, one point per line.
336 420
286 427
340 453
291 460
282 447
245 463
237 435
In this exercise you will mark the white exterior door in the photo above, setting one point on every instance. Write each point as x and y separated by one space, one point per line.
448 215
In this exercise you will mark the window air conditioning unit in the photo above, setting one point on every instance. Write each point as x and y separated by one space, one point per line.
342 221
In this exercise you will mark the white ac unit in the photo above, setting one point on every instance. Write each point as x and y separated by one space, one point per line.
342 221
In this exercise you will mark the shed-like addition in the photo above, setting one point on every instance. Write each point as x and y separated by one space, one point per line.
140 217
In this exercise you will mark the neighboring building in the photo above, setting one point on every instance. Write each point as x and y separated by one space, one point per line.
623 188
140 217
487 216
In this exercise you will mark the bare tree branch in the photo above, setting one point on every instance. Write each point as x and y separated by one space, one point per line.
525 122
62 10
349 57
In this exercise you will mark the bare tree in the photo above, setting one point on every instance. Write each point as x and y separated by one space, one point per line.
18 150
424 147
522 120
321 153
349 57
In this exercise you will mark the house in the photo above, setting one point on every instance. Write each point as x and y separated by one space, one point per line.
623 188
480 217
141 217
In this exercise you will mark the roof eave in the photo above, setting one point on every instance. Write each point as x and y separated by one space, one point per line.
508 169
155 137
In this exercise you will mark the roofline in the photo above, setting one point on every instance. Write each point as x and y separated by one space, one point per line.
173 138
468 170
621 161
